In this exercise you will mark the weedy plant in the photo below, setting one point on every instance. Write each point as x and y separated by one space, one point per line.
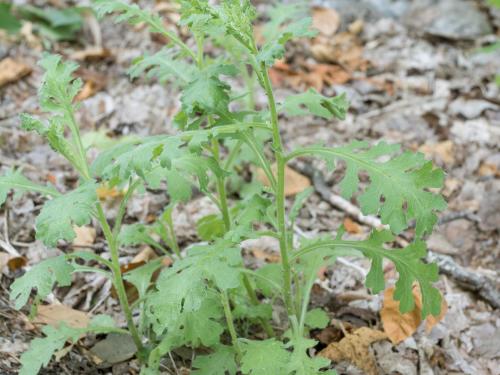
208 298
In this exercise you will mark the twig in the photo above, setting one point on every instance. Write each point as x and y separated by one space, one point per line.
468 279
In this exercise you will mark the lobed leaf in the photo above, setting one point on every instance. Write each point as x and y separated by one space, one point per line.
59 215
398 189
42 276
316 104
14 180
221 361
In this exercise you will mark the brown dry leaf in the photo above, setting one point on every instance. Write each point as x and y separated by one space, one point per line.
442 151
344 49
91 53
488 169
55 314
294 181
12 70
85 236
325 20
267 256
145 255
90 88
104 192
15 263
355 348
399 326
351 226
312 75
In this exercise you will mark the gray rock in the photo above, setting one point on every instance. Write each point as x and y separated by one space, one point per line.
489 208
451 19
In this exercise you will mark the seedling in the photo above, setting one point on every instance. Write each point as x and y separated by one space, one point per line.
208 295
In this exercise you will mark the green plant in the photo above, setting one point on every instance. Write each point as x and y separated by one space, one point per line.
204 298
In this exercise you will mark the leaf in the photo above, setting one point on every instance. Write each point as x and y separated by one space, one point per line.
220 362
317 318
141 277
41 349
164 65
57 314
355 349
43 276
10 69
59 215
299 201
408 262
210 227
399 326
402 181
264 358
295 182
302 364
85 236
312 102
14 180
207 93
325 20
8 21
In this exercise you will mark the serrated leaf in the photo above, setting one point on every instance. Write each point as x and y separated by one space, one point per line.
59 215
317 318
14 180
408 262
301 363
264 358
164 65
41 350
299 201
210 227
220 362
402 181
312 102
43 276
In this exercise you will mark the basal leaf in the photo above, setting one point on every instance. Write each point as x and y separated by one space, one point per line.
220 362
59 215
42 276
264 358
312 102
301 363
317 318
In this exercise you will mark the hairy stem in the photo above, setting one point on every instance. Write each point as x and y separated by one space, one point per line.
230 323
280 195
117 278
221 189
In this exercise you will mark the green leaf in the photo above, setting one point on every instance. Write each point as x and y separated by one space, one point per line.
43 276
220 362
41 350
301 363
299 201
164 65
14 180
317 318
8 21
408 262
402 181
312 102
264 358
210 227
207 93
133 234
141 277
271 275
59 215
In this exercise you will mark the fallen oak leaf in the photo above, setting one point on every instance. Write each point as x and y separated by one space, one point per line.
399 326
56 314
355 348
12 70
294 181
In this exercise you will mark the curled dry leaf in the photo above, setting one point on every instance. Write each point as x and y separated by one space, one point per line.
399 326
55 314
12 70
325 20
355 348
294 181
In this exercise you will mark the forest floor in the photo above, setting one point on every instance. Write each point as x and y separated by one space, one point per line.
414 75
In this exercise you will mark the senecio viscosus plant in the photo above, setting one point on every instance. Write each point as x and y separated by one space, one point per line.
208 298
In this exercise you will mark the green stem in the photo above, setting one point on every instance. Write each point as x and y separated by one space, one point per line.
173 237
221 189
230 324
280 196
255 301
117 278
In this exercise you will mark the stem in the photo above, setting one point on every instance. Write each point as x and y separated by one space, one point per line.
280 196
230 324
221 189
255 301
173 237
118 280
